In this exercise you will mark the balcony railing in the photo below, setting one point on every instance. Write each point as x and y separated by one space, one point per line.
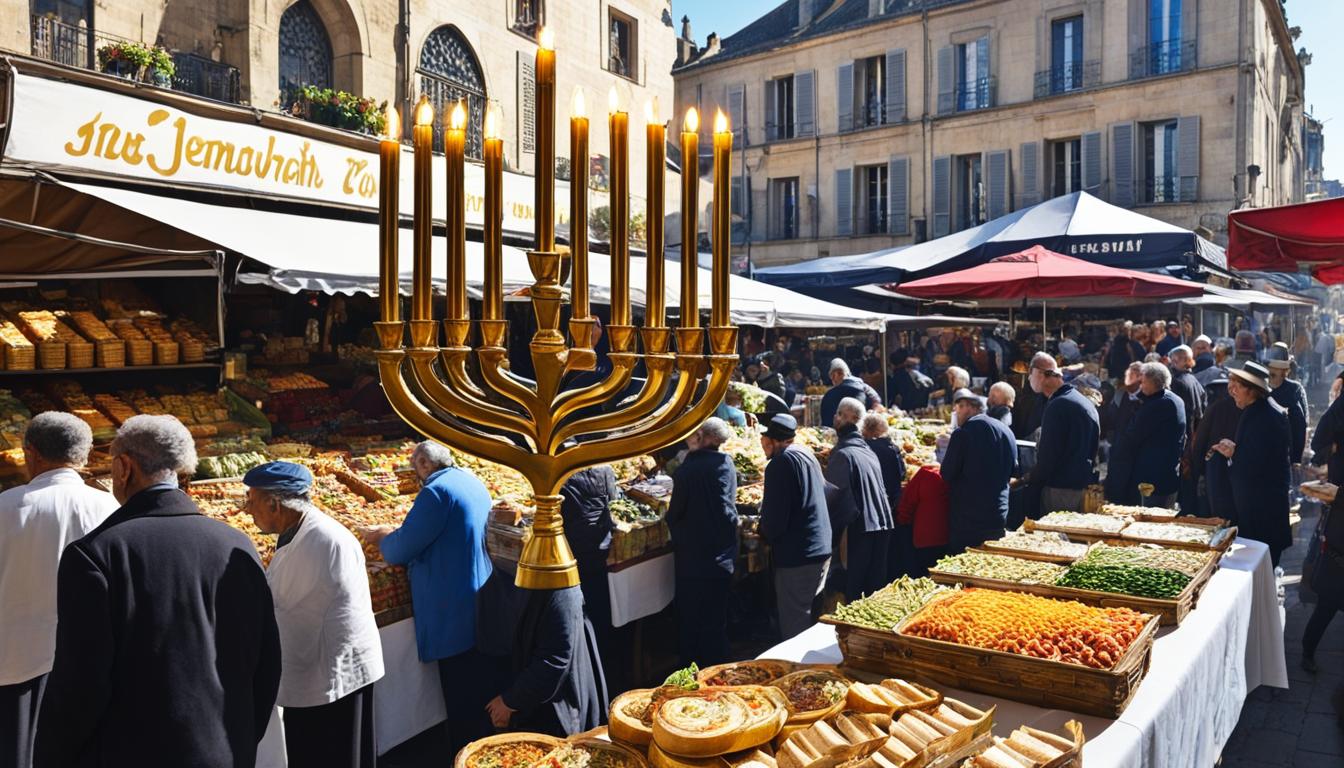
1162 59
969 96
780 131
205 77
62 43
869 115
1067 77
1163 189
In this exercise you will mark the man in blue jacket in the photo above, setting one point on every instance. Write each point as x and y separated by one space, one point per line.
1149 451
980 460
795 522
858 505
442 545
1067 448
845 384
702 516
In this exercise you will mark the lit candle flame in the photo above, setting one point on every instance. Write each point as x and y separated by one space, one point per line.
720 122
546 39
424 112
692 122
491 121
613 100
579 109
392 124
458 119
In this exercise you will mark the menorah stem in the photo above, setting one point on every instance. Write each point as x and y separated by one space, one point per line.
546 561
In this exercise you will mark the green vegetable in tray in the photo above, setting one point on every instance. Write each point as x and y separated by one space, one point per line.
888 606
685 678
1186 561
753 397
1002 567
626 510
229 465
744 465
1126 580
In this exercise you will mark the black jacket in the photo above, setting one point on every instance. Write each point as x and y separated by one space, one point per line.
1219 423
587 496
774 384
1149 450
1261 474
850 386
1293 397
167 652
1192 395
1327 442
981 457
893 469
794 519
1067 450
1124 351
1003 413
860 497
702 515
558 686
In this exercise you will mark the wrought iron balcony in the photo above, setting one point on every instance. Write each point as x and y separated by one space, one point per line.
1162 59
969 96
1068 77
205 77
62 43
1163 189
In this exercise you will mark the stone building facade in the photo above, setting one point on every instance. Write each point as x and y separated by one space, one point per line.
255 51
867 124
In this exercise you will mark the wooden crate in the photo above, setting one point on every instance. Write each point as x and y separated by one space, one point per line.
1039 682
1026 554
1220 543
1085 535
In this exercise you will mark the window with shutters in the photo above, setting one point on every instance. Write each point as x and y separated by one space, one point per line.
873 199
623 45
738 205
1066 54
1161 182
779 123
450 73
305 52
871 88
783 209
1066 160
968 190
974 86
1168 45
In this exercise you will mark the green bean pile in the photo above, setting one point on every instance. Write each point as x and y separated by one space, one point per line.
1000 567
1126 580
890 605
1186 561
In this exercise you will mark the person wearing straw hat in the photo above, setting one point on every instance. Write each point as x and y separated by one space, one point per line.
1291 395
1258 460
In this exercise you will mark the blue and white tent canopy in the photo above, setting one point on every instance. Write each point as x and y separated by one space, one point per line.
1077 225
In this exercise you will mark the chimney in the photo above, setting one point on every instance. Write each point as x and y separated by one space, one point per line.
686 49
711 44
805 11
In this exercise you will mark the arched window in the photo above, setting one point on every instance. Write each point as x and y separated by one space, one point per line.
305 51
450 72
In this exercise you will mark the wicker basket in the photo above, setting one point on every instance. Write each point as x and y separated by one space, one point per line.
192 351
79 354
51 355
140 352
111 354
166 352
18 352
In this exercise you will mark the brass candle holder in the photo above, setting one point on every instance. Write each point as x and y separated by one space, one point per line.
538 428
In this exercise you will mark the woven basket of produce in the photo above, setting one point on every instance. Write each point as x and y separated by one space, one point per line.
110 354
166 352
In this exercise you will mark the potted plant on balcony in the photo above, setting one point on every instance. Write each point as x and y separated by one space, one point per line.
338 109
161 67
125 59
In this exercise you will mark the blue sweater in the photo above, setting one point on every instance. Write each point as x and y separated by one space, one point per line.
442 545
794 517
981 458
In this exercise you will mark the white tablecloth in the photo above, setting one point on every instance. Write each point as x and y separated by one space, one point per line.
1189 702
641 590
406 701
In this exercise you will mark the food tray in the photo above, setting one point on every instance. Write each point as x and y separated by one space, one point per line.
1025 554
1220 543
1040 682
1171 611
542 741
1086 535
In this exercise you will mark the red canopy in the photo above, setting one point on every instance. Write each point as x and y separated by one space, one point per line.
1037 273
1279 239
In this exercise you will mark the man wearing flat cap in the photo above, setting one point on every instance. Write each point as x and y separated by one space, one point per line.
330 653
1257 459
981 458
1291 395
795 522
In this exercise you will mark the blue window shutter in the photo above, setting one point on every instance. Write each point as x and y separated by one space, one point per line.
1091 145
1122 164
898 196
844 97
771 125
895 95
805 103
737 112
1029 158
1187 157
998 178
844 206
942 195
947 101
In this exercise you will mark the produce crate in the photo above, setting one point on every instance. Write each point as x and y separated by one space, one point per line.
1171 611
1039 682
1220 543
17 352
1086 535
1026 554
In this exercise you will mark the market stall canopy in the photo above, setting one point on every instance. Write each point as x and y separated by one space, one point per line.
1217 295
1283 238
341 256
1037 273
1077 224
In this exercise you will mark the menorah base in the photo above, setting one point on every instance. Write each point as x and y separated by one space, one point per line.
546 561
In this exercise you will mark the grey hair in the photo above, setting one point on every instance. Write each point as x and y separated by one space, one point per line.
1005 389
850 410
1045 363
160 445
1128 324
1152 357
1135 366
59 437
1181 354
839 365
874 424
1157 373
436 454
960 376
714 432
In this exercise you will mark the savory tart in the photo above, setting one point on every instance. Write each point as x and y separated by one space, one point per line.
755 672
506 750
701 723
767 709
630 719
581 752
813 694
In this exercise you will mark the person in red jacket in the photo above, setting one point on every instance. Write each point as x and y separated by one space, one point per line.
924 506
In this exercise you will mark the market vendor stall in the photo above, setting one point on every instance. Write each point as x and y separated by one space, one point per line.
1199 675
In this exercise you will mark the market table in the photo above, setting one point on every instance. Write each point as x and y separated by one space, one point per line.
641 589
1186 707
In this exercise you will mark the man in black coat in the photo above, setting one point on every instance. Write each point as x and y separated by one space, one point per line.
1219 423
877 434
845 384
167 650
587 498
1150 449
858 506
1327 441
1258 459
702 517
1291 396
981 458
1067 448
1124 350
1187 387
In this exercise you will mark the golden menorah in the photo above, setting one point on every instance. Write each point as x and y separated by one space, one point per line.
545 429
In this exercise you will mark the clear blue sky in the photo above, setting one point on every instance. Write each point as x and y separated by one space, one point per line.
1321 21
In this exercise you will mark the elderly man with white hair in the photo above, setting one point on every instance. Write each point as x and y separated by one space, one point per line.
1148 451
166 642
858 504
1066 451
37 521
1181 360
1000 401
702 517
845 384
